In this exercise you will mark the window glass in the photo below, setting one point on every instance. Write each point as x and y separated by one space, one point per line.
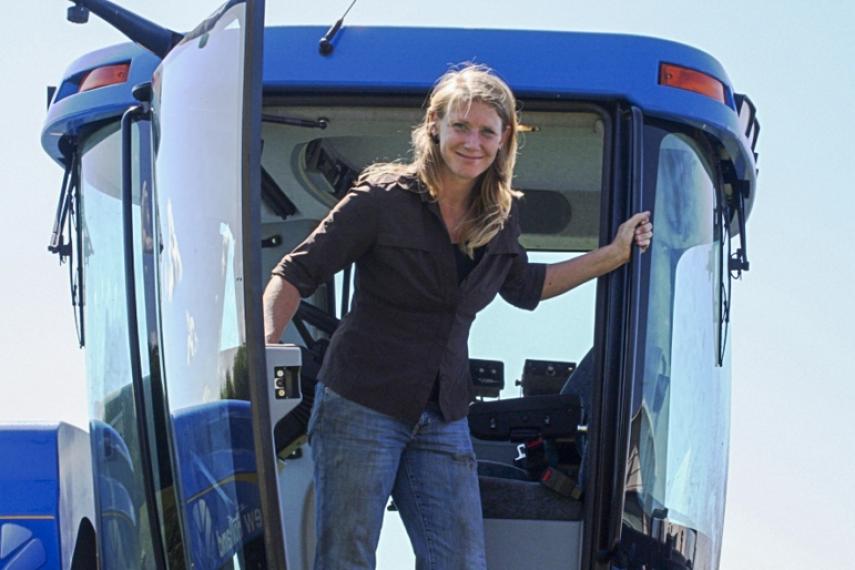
679 441
123 523
149 341
560 329
198 131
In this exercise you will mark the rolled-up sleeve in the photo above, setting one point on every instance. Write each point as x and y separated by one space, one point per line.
523 284
346 233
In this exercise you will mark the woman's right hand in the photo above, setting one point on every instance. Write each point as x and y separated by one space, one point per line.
638 231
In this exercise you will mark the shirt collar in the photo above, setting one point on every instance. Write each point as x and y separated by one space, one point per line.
412 183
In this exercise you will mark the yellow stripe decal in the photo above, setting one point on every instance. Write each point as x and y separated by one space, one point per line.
240 477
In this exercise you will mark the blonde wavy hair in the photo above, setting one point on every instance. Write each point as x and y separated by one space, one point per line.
490 203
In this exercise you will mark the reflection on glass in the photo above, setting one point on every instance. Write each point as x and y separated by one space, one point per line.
679 438
198 108
198 193
149 341
123 524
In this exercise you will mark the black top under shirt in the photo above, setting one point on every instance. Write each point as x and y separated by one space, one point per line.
465 265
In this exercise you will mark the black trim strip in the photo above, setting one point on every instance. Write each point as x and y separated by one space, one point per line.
611 399
592 494
133 335
603 335
262 428
632 319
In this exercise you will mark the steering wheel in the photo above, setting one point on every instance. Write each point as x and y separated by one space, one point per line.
308 314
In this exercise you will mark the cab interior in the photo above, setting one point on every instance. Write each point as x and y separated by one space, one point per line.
311 155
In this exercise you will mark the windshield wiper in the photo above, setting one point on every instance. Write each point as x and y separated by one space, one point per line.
320 123
57 243
61 242
739 261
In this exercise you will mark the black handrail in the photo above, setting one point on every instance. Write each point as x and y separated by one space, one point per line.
633 321
132 114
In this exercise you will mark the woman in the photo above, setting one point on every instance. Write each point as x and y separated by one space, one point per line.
434 241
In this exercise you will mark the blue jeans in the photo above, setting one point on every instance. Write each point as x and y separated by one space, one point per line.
362 457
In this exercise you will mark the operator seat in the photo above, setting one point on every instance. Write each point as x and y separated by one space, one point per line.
509 492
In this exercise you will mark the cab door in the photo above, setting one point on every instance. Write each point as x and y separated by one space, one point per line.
206 137
676 460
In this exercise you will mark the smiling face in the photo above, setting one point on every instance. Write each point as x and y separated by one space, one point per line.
469 139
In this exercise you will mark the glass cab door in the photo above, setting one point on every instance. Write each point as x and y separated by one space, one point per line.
676 466
206 128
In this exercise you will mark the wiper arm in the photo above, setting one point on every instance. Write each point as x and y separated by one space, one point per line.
739 260
66 217
57 243
320 123
740 192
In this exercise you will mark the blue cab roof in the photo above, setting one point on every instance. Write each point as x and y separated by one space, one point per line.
390 60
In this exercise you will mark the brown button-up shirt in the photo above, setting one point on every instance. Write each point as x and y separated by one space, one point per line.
409 321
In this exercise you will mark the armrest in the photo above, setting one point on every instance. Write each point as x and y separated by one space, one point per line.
523 419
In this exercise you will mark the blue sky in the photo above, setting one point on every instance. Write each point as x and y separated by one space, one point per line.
791 503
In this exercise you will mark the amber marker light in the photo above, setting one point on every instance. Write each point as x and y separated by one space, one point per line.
691 80
103 76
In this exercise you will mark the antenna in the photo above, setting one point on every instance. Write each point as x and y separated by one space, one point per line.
325 46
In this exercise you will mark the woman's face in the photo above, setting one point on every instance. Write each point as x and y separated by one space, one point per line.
469 139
